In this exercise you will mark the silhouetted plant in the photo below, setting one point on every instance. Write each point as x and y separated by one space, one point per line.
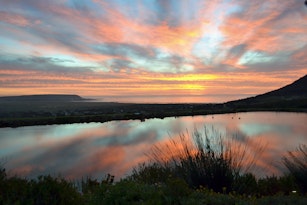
269 185
296 163
272 185
245 184
50 190
151 174
209 161
109 179
89 185
205 168
15 190
44 190
2 174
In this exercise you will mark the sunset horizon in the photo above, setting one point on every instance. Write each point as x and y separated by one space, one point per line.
151 51
153 102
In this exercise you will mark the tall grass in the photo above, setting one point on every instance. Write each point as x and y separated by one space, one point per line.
296 163
202 160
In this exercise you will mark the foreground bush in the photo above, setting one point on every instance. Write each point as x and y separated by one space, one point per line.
44 190
272 185
212 162
54 190
296 162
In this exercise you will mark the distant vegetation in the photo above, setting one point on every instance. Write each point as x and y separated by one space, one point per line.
203 171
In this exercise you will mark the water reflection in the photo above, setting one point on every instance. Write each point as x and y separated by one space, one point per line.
95 149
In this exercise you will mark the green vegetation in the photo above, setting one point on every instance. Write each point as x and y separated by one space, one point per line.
44 190
205 170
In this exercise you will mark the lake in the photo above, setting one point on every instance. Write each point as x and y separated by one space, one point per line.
96 149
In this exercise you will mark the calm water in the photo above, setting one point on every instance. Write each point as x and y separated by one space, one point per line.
95 149
218 98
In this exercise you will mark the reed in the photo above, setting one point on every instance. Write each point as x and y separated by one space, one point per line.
203 159
296 163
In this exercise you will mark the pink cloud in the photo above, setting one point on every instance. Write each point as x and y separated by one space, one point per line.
270 32
242 26
14 19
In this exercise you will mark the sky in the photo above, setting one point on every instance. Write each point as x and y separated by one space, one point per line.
151 50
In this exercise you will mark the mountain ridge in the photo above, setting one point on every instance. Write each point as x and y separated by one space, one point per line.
295 93
44 97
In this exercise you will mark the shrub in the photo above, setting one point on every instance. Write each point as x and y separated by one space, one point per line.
89 185
296 163
151 174
94 192
272 185
245 184
44 190
131 192
15 190
201 160
50 190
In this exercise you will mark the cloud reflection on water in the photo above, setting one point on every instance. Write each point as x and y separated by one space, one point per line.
95 149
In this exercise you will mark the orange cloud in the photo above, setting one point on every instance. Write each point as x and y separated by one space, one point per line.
158 57
140 83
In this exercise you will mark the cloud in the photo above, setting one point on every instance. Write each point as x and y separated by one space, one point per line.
125 50
108 46
298 57
14 19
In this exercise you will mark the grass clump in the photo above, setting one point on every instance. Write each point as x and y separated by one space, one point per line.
201 161
296 163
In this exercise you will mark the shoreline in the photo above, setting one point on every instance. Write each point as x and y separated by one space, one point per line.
20 114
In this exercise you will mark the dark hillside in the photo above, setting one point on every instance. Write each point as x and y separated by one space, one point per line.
47 98
291 96
297 89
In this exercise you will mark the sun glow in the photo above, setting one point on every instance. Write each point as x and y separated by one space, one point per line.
173 48
185 77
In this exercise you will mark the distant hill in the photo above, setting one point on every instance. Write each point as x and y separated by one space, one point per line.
297 89
293 95
47 98
61 109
